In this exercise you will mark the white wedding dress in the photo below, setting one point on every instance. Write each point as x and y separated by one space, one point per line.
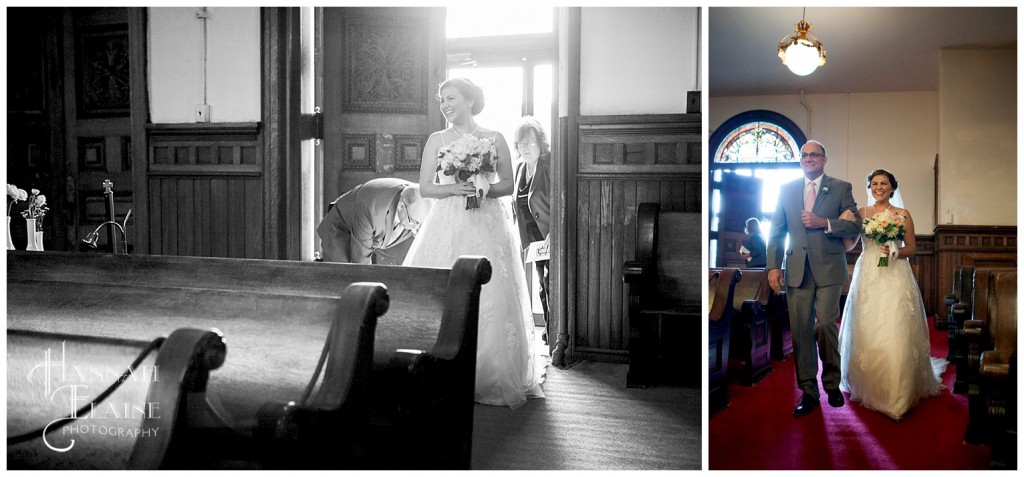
507 371
883 340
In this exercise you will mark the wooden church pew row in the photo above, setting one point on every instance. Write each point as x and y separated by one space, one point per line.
750 347
998 385
959 311
277 314
664 298
142 424
994 340
973 340
961 273
721 284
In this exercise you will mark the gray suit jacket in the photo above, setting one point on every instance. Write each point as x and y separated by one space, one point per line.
824 252
361 221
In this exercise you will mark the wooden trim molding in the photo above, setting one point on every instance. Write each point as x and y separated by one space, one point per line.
978 245
651 144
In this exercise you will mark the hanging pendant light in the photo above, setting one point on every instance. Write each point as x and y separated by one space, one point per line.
801 51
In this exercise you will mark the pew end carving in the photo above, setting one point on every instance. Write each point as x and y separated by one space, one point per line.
148 420
721 284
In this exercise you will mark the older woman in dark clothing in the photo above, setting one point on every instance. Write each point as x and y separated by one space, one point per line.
755 256
533 194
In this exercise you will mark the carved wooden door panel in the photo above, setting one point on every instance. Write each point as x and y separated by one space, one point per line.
381 69
741 200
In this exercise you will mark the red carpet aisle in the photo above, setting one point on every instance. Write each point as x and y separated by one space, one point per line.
758 430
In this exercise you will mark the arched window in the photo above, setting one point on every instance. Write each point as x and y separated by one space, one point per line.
756 137
753 154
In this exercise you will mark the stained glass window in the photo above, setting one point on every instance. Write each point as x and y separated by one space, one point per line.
758 142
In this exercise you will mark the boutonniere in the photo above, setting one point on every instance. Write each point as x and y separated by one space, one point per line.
824 190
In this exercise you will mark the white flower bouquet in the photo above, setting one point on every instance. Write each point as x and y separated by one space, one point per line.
886 228
469 158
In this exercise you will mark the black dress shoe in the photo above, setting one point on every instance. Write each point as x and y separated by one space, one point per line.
807 404
835 398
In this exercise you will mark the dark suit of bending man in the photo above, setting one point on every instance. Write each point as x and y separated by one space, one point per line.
376 215
815 271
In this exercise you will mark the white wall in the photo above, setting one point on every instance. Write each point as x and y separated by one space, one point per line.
637 60
862 132
978 137
176 68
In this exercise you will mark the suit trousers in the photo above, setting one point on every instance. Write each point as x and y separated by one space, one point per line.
813 316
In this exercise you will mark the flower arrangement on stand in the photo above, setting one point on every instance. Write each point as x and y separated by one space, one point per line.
469 158
886 228
34 214
16 195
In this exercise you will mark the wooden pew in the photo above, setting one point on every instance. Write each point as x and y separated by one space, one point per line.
959 311
962 275
278 315
664 296
143 423
750 347
971 333
994 325
997 393
721 285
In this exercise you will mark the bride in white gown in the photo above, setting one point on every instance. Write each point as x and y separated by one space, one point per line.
506 369
883 340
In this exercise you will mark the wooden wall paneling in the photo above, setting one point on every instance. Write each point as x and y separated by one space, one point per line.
168 225
253 218
236 220
218 217
618 334
582 229
621 162
186 207
605 274
594 266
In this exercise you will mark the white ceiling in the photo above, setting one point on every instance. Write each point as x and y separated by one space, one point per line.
869 49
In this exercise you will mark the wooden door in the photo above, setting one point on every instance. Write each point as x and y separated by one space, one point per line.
741 200
98 139
381 69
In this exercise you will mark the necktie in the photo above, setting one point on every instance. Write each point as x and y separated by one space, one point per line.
809 200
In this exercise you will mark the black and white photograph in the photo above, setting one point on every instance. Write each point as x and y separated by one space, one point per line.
357 237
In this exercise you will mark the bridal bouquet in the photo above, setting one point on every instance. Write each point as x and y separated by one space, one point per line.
886 228
469 158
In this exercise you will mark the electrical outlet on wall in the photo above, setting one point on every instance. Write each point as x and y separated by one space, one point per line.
202 113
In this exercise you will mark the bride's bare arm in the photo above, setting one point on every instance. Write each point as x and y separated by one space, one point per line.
428 170
849 242
503 168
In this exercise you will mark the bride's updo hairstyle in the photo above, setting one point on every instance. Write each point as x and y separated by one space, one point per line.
892 179
468 90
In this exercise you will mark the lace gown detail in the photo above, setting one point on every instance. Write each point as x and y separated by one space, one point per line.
507 372
883 339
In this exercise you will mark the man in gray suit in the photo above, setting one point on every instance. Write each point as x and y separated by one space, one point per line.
808 211
374 216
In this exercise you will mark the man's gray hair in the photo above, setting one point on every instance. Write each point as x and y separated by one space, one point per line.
411 194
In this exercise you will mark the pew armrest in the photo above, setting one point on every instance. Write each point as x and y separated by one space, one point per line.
633 272
996 365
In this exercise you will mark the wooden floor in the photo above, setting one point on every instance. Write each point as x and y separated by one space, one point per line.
591 421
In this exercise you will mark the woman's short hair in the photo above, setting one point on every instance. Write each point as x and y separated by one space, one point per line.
892 179
530 124
468 90
753 225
